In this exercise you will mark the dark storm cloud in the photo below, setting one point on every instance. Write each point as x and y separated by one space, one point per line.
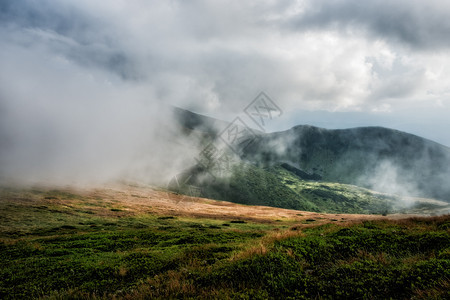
47 15
68 31
417 23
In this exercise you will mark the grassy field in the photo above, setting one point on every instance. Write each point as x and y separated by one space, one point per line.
138 243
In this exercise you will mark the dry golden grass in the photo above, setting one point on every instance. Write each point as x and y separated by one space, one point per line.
135 200
265 243
118 201
440 292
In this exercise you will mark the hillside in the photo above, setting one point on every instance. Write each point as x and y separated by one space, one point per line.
280 186
138 242
360 170
381 158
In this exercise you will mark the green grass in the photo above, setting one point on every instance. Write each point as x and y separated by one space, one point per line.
278 187
59 251
373 260
106 262
332 197
112 257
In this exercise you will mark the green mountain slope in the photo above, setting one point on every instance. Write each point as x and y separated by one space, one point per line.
315 169
278 187
384 159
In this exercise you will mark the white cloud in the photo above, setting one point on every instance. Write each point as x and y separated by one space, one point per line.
64 62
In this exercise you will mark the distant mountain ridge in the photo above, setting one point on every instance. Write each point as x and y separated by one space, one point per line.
373 157
382 159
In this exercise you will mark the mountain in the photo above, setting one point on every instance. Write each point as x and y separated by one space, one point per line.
192 121
358 170
380 158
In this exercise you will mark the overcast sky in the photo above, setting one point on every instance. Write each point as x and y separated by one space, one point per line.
335 64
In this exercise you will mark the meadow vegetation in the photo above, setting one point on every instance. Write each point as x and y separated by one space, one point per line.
59 245
277 187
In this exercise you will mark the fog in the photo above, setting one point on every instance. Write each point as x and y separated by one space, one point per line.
61 125
86 87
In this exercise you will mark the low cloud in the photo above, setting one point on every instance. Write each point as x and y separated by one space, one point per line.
82 83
